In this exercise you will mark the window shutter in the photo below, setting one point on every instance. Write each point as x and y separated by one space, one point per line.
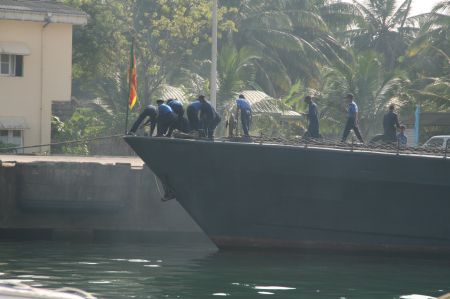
19 65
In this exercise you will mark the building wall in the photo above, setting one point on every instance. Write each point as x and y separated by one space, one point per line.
46 76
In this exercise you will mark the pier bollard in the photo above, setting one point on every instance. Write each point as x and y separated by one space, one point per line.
260 137
353 144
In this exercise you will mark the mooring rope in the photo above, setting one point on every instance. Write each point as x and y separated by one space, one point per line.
6 149
352 145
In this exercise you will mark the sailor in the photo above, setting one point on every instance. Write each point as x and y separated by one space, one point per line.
177 107
209 118
352 119
192 113
152 114
243 105
313 119
390 124
166 119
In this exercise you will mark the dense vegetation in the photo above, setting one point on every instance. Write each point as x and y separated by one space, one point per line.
286 48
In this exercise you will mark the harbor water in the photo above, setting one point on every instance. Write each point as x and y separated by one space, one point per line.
179 267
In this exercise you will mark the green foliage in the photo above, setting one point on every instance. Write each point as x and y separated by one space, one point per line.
236 71
287 48
85 123
382 27
271 126
372 86
166 33
4 146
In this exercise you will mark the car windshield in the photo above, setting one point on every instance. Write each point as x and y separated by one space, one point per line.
435 142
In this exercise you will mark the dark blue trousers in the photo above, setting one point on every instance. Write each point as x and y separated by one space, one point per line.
166 124
246 116
146 113
192 115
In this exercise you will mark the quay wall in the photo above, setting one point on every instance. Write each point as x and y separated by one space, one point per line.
92 201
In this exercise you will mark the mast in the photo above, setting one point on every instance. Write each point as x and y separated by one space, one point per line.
213 83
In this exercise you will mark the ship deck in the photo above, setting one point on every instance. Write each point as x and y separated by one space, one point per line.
336 145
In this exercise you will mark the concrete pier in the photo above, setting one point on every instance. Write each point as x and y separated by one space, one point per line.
89 198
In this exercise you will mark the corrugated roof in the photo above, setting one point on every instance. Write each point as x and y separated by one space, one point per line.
41 10
13 123
172 92
262 103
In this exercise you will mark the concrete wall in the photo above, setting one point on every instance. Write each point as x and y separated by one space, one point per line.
85 199
46 76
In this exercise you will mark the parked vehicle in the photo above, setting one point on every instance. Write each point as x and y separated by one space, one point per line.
438 142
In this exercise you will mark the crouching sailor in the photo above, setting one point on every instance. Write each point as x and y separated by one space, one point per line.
209 118
152 114
166 119
181 123
192 113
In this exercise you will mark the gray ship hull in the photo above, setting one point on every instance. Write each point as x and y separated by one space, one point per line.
277 196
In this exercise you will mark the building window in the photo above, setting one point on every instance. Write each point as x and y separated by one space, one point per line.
11 137
11 65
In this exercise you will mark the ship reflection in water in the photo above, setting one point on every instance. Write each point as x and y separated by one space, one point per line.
187 269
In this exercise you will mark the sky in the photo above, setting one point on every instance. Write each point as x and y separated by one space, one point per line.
422 6
418 6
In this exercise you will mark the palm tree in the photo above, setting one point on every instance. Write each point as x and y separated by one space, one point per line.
381 27
372 86
291 37
236 70
428 59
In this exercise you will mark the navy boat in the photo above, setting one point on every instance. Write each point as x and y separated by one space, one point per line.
266 195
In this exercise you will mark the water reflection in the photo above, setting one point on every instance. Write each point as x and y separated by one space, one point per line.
172 269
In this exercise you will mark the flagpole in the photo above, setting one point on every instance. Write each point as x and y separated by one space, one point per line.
129 90
213 87
128 111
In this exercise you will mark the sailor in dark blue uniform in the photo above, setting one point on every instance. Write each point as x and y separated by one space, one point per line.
178 109
192 113
166 119
209 118
246 113
313 119
152 114
176 106
352 119
390 125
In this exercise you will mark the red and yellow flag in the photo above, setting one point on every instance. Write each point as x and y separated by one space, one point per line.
132 79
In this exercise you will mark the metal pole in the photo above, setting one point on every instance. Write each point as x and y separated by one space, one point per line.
213 87
126 117
417 124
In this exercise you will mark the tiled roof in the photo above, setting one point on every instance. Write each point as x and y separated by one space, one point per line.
41 9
